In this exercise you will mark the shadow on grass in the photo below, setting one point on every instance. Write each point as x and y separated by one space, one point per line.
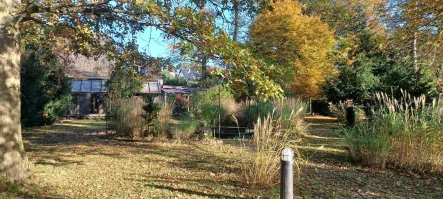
347 181
190 192
26 190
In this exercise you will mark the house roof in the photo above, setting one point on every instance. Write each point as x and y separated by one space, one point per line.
178 89
154 86
83 67
89 86
189 74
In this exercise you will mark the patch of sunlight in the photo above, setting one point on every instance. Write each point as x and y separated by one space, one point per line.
322 149
328 166
323 138
82 125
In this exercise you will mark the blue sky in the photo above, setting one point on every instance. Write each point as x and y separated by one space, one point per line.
152 42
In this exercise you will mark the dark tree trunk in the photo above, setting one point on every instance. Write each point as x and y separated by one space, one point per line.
204 65
236 4
13 160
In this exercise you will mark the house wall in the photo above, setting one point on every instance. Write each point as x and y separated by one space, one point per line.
84 101
83 104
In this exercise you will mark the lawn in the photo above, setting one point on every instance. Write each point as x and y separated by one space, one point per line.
75 160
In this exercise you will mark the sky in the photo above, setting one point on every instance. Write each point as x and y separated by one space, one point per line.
152 42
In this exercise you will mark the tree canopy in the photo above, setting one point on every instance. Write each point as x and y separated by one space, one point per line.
299 45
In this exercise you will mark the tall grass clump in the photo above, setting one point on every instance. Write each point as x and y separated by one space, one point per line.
271 134
164 118
279 108
406 133
127 120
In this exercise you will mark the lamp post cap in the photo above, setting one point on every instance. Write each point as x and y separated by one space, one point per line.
287 154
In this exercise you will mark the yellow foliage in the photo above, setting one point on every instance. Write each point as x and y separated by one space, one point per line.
300 44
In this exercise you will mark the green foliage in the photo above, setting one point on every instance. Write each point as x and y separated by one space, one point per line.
168 79
259 110
379 73
124 82
45 90
185 128
356 83
368 145
57 108
205 105
150 114
283 108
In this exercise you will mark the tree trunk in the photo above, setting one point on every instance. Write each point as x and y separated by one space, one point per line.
236 19
13 160
204 66
414 43
414 52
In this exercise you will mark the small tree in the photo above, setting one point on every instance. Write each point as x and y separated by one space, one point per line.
150 114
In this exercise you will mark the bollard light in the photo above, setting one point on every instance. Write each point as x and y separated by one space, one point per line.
287 174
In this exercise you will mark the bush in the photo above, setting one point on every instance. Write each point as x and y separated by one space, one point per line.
205 105
57 108
408 133
347 113
150 113
259 110
45 90
170 80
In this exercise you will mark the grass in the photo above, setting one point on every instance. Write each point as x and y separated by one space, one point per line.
72 160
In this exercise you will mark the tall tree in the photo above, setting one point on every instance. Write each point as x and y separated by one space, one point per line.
84 26
300 45
13 160
417 29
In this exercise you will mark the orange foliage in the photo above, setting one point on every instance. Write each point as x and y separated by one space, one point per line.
299 44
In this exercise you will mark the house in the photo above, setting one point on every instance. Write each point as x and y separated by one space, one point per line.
189 74
88 87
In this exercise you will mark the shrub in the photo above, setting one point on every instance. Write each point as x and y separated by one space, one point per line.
170 80
347 113
408 133
57 108
205 105
259 110
45 90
